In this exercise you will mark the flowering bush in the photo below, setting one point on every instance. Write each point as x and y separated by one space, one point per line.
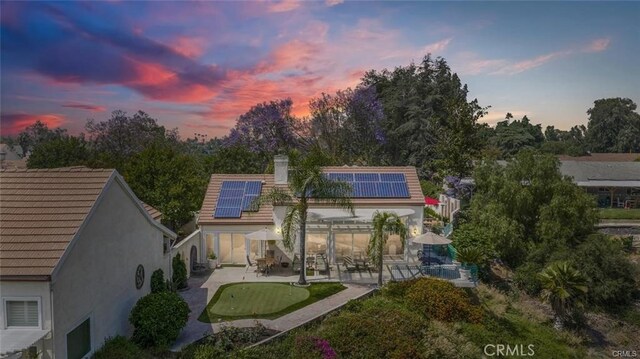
311 347
441 300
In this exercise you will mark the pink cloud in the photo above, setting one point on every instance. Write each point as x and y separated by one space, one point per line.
528 64
14 123
191 47
283 5
437 47
598 45
333 2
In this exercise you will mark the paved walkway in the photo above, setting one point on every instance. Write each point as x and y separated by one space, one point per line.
203 288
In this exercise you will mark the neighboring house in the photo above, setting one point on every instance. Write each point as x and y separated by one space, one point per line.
226 216
11 157
77 250
614 183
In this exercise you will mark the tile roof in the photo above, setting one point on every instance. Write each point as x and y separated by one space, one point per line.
264 216
603 157
40 212
154 213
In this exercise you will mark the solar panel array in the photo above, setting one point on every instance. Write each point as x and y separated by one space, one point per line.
374 185
237 197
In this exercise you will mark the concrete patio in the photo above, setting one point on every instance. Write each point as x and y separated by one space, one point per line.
203 287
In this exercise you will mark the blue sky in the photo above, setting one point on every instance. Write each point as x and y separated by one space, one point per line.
198 65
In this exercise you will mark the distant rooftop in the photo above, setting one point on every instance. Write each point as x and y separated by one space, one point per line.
603 157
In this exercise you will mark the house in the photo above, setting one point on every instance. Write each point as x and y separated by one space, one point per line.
77 250
614 183
12 157
227 215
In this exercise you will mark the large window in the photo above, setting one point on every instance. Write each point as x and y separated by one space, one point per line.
316 243
22 313
232 248
79 341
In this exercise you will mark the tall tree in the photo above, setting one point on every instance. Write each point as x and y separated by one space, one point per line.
167 179
266 129
307 185
122 136
37 133
384 224
347 125
426 114
613 126
63 151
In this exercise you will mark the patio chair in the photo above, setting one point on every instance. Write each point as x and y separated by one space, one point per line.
349 264
262 267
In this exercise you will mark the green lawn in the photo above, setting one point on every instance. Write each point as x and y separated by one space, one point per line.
619 213
263 300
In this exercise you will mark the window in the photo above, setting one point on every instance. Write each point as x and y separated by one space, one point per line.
22 313
79 341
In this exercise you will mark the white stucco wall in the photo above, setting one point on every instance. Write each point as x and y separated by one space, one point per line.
28 290
97 278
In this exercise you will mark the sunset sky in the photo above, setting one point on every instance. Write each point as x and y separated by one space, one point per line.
198 65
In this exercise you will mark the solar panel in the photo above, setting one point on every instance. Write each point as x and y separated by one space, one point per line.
253 188
392 177
374 185
236 197
247 204
222 212
231 193
233 185
366 177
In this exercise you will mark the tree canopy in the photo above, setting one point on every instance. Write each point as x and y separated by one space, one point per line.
613 126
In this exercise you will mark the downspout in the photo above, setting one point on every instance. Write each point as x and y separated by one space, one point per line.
53 341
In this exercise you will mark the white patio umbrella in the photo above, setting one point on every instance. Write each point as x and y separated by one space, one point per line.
431 239
264 235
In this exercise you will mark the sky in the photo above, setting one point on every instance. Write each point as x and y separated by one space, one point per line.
197 66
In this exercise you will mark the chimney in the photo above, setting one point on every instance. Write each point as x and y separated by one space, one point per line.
281 169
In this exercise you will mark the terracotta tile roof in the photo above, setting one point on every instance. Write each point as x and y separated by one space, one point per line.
264 216
603 157
154 213
40 212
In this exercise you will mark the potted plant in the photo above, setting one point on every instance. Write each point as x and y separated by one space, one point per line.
212 259
468 256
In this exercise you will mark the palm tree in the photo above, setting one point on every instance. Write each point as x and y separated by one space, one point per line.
564 289
384 224
306 184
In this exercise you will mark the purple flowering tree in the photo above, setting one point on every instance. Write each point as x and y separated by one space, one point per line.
266 129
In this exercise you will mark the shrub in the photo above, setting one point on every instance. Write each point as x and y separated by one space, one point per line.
118 347
526 278
441 300
397 289
312 347
179 272
382 329
157 282
444 341
158 318
611 276
208 351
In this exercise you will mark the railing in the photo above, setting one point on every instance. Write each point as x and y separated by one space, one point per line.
444 271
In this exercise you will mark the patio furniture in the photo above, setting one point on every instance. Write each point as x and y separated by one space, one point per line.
263 266
349 264
271 253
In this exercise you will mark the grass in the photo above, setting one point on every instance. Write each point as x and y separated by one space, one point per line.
619 213
263 300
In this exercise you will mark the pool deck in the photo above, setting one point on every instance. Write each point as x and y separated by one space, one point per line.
202 288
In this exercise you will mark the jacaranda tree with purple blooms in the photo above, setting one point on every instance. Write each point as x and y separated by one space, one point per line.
266 129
